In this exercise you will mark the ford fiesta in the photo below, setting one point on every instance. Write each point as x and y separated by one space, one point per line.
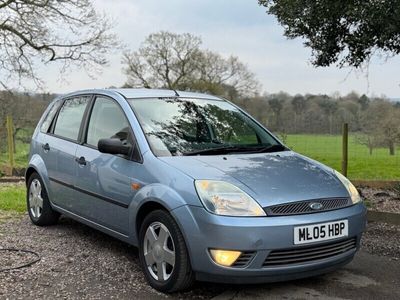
202 189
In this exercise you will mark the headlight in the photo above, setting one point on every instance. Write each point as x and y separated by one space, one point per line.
225 199
355 196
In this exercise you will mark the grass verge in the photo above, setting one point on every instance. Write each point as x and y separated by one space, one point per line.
12 198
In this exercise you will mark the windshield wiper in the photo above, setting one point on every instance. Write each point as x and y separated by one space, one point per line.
273 148
229 149
218 150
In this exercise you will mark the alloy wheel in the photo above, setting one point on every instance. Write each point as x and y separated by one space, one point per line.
159 251
35 198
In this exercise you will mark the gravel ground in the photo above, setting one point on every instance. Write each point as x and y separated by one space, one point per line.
81 263
382 200
77 262
382 239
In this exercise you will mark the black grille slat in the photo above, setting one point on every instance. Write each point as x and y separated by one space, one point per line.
306 249
308 254
305 255
244 259
303 207
306 259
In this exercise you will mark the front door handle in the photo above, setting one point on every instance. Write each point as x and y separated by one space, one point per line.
81 160
46 147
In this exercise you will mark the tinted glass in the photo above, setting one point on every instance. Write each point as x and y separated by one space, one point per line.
70 118
107 121
179 126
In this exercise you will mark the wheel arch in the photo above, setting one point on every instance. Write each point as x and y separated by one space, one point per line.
144 210
37 165
152 197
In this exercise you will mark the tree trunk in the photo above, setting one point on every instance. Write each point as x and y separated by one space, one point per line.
391 148
370 150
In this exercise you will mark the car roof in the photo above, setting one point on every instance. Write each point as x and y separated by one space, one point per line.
144 93
131 93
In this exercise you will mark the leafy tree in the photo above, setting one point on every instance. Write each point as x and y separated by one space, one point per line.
276 105
329 107
343 32
44 31
176 61
299 104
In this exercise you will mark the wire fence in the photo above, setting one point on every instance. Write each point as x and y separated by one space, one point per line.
363 163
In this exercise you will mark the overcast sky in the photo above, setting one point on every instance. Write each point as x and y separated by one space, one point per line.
238 27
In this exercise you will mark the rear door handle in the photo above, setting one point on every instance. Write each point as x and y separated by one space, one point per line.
46 147
81 161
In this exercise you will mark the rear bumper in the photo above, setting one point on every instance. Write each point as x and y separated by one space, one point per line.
260 235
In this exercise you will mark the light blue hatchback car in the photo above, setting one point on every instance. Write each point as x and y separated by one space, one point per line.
201 188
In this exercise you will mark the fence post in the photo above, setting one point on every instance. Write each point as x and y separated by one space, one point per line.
10 141
345 148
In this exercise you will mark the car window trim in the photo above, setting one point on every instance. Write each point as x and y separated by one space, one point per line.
54 122
85 128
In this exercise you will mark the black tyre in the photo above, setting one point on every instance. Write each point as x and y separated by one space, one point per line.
163 254
37 200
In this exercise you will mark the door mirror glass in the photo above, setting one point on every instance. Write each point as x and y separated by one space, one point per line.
114 146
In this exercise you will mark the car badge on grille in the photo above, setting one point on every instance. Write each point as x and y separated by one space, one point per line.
316 206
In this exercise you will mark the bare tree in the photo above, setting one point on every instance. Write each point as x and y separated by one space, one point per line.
164 60
381 126
43 31
175 61
231 72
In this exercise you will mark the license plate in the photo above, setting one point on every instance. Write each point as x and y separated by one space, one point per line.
320 232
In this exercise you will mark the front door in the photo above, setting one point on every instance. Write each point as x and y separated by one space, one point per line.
104 181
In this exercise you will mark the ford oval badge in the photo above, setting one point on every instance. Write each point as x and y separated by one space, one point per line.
316 206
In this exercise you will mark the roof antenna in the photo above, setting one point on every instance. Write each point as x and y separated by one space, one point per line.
176 93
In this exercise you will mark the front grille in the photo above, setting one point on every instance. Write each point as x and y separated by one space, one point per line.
308 254
244 259
304 207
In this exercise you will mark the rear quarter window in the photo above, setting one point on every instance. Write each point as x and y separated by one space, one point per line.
45 127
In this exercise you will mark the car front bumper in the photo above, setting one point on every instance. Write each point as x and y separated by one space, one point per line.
259 236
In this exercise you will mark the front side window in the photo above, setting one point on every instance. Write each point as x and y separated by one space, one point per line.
176 126
107 121
70 117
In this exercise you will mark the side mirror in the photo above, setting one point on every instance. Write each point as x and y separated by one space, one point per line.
113 146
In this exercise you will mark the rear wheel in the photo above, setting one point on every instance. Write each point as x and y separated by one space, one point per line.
163 254
38 204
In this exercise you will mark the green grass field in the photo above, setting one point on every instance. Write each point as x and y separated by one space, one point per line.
327 149
324 148
12 198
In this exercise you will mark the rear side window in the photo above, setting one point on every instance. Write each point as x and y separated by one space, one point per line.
50 116
70 118
107 121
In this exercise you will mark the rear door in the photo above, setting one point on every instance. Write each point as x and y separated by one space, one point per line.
59 149
104 181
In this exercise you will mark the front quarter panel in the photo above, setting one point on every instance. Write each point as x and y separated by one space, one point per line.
158 193
164 185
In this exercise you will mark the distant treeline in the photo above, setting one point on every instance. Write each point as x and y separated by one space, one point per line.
375 120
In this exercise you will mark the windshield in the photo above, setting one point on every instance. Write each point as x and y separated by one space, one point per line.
177 126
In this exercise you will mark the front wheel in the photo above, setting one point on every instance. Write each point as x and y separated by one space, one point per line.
163 254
